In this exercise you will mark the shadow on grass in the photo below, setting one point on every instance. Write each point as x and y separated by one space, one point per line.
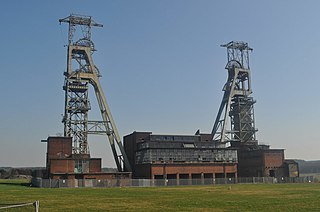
24 184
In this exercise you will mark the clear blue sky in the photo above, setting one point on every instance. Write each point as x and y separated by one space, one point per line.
163 69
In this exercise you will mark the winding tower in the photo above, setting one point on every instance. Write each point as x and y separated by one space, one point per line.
80 74
235 124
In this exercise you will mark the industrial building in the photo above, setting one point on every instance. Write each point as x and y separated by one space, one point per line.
197 157
68 156
61 163
178 157
231 150
265 162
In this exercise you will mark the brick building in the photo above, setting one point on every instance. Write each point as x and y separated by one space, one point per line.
261 161
62 164
171 157
198 157
178 157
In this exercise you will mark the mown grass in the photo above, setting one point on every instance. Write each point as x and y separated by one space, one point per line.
251 197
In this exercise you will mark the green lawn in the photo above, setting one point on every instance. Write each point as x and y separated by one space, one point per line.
257 197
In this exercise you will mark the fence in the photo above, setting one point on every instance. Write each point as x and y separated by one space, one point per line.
34 204
78 183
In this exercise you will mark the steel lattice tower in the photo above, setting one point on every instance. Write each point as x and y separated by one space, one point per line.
236 107
82 72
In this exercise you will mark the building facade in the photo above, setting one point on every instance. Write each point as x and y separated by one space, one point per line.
178 157
261 161
61 163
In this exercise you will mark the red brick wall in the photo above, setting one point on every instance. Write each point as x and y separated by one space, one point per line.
95 165
59 147
98 177
273 158
147 171
258 163
61 166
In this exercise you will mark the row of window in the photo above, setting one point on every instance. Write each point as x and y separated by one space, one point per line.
167 155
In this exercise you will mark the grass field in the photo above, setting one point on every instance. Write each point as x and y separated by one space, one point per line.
252 197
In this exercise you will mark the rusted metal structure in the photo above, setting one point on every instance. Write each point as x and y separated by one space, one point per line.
80 74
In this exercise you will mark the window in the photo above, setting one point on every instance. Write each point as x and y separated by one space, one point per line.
186 145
